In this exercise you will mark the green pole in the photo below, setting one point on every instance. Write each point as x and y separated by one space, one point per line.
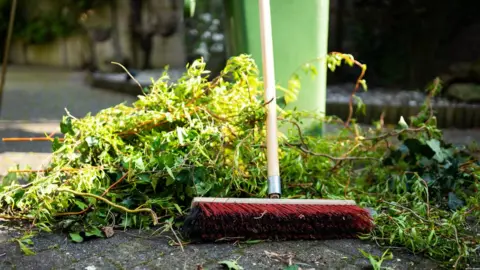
300 34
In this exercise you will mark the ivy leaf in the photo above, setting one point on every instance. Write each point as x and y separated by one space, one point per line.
91 141
139 164
56 144
434 144
76 237
415 146
231 265
454 202
203 188
66 126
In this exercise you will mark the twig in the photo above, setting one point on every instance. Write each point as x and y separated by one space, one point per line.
178 239
48 170
394 133
306 151
411 211
133 78
263 214
299 129
152 213
459 246
268 102
32 139
114 184
471 209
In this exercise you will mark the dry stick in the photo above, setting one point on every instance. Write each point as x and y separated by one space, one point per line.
32 139
25 139
152 213
47 170
133 78
7 48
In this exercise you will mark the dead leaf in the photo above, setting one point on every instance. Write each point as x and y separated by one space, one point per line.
108 231
284 258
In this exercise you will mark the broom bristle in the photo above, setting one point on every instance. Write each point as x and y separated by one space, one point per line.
210 221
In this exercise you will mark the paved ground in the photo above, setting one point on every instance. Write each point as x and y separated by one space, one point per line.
33 104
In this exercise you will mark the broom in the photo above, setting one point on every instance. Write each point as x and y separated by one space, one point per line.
211 219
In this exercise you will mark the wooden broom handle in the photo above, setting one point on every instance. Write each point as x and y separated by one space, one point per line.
270 96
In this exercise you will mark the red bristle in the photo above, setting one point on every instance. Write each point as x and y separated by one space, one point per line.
215 220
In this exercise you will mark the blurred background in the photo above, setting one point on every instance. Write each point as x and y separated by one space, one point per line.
405 44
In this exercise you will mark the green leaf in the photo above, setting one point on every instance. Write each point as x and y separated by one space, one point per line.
415 146
440 155
91 141
66 125
80 204
203 187
361 107
231 265
94 231
178 208
26 250
9 179
154 183
189 7
292 267
402 123
139 165
56 144
363 83
76 237
253 241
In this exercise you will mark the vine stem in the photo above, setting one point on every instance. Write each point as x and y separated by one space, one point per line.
357 83
83 194
90 206
14 217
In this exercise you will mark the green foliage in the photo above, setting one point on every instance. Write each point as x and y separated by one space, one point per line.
39 26
231 265
127 165
376 261
25 242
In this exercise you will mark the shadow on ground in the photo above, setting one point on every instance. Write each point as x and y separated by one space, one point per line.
133 250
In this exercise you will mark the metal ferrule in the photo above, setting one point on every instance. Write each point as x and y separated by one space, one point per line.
274 186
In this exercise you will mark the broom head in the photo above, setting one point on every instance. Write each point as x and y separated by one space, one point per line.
212 219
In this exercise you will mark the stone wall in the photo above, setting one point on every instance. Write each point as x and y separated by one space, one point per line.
126 31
